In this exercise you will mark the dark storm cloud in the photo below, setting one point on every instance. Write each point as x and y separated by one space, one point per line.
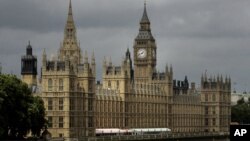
192 35
50 15
204 18
34 15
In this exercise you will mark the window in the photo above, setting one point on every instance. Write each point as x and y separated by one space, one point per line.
90 102
206 121
206 97
60 84
50 85
60 122
206 110
50 104
90 86
213 97
72 104
214 121
72 121
50 124
117 84
214 112
72 85
60 103
90 122
109 84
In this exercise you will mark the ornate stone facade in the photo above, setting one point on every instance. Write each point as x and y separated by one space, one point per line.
68 88
132 95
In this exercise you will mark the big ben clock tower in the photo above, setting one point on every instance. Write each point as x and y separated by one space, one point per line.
144 50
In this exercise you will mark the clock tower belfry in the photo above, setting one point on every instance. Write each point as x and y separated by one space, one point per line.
144 50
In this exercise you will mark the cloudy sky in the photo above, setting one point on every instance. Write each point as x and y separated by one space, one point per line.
192 35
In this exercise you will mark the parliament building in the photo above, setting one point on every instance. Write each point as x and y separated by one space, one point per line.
132 95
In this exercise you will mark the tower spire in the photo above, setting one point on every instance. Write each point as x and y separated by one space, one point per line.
29 49
144 18
70 45
70 31
93 58
70 8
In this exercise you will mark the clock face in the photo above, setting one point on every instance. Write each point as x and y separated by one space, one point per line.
141 53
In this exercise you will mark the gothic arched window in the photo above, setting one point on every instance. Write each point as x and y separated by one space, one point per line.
109 84
50 85
117 84
61 84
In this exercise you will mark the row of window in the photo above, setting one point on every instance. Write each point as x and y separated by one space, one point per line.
207 122
117 84
76 104
207 110
222 97
50 85
141 43
51 122
213 97
50 104
80 122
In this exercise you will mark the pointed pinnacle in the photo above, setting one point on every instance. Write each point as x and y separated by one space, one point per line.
44 51
144 18
70 8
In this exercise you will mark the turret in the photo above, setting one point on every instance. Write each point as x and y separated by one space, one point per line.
171 72
166 69
86 63
29 67
44 58
104 64
29 49
86 57
110 61
202 79
93 65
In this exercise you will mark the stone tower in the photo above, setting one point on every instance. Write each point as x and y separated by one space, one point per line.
118 77
29 67
144 50
68 88
216 100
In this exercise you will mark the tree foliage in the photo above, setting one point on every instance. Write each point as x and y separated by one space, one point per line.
241 112
20 112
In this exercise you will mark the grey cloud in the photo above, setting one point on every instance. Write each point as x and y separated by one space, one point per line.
192 35
208 19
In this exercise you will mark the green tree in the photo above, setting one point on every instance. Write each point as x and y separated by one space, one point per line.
37 114
241 112
20 112
241 101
